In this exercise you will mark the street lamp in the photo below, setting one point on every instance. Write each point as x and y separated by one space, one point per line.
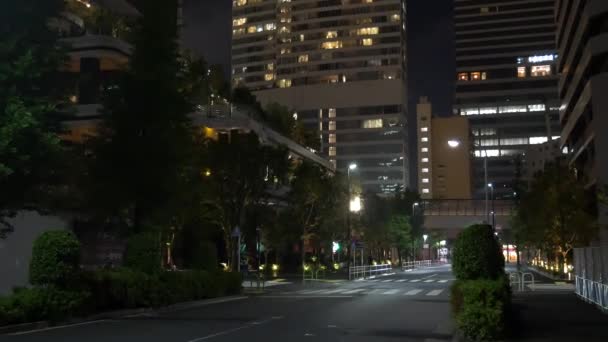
491 186
352 206
453 143
424 237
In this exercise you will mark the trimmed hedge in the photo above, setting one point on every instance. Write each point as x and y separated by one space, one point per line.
55 259
40 303
477 254
143 253
481 308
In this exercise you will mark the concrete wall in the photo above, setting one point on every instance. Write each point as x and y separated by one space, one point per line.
451 165
16 250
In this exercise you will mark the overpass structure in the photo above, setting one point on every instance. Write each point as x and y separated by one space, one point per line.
450 216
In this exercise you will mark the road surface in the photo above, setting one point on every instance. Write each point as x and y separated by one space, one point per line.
406 306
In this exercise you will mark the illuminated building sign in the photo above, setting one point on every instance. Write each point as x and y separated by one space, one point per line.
537 59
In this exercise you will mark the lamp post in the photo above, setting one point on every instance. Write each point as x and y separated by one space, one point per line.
351 167
414 205
424 237
491 186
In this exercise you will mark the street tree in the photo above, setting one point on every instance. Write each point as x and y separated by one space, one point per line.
145 139
30 57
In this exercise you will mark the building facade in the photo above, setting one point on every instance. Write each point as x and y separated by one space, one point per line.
506 83
340 66
444 155
582 38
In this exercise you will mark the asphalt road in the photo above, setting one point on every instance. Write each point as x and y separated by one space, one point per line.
409 306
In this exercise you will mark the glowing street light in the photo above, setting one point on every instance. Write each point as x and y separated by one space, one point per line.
425 236
355 204
352 166
453 143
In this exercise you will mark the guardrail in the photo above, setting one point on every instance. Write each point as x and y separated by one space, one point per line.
519 279
358 272
410 265
592 291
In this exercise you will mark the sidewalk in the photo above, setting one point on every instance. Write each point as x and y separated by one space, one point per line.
557 316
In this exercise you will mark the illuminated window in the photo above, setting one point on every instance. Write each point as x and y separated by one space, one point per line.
540 70
424 149
332 125
331 45
365 31
302 58
536 108
425 180
469 111
512 109
487 153
538 140
270 66
475 76
367 42
425 191
425 160
239 21
484 76
463 76
252 29
285 51
373 123
284 83
270 27
424 139
425 170
302 37
284 29
513 141
331 34
521 72
269 77
238 31
332 138
332 112
485 10
332 151
395 17
424 129
240 2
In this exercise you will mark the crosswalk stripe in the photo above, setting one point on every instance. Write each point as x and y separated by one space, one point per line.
353 291
374 291
387 280
414 280
331 291
443 281
310 291
434 292
413 292
429 280
390 292
401 280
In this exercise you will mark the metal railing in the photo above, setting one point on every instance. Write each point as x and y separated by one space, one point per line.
518 281
410 265
592 291
362 272
465 207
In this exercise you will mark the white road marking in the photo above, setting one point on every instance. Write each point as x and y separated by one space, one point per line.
331 291
414 280
434 292
387 281
443 281
401 280
310 291
304 296
374 291
413 292
353 291
230 331
59 327
429 280
390 292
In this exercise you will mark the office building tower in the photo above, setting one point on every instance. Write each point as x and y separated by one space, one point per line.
506 83
340 65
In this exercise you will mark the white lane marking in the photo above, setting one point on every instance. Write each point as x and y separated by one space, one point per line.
230 331
390 292
429 280
387 281
59 327
434 292
401 280
443 281
374 280
331 291
303 296
309 291
374 291
431 276
413 292
353 291
414 280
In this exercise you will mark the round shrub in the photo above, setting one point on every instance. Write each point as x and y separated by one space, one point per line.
143 253
55 259
477 254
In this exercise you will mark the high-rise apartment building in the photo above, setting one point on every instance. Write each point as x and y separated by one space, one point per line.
582 38
506 82
444 155
340 65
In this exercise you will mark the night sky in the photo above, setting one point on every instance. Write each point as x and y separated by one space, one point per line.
430 48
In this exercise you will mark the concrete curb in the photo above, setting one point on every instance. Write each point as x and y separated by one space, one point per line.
24 327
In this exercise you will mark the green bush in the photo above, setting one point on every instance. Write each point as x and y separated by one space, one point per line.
477 254
481 308
203 256
143 253
40 303
118 289
55 259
